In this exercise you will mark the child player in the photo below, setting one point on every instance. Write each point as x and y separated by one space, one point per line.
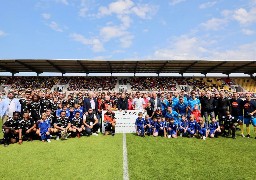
139 124
159 128
172 129
202 129
214 128
44 128
148 125
191 126
183 126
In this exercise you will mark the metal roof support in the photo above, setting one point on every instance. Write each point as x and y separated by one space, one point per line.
84 68
240 67
56 67
110 67
162 67
29 67
136 66
214 67
185 70
8 69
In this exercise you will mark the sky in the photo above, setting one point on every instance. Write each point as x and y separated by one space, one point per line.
128 29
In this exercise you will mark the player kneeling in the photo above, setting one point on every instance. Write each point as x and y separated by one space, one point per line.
159 128
202 129
148 125
183 126
172 129
214 128
10 129
139 124
61 126
229 125
44 128
26 128
191 126
109 122
77 126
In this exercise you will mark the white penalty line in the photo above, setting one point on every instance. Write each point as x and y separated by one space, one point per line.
125 159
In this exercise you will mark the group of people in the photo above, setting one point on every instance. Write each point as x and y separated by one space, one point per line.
37 114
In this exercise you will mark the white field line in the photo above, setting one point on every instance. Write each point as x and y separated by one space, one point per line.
125 159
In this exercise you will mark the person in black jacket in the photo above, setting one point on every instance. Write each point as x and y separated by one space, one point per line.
208 106
122 102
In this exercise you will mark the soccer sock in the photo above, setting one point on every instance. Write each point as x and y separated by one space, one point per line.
242 128
248 130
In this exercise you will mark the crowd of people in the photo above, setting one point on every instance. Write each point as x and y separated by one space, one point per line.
42 114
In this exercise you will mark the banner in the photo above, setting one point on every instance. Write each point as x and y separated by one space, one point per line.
125 121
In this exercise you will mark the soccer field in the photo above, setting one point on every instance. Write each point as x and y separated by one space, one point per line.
148 158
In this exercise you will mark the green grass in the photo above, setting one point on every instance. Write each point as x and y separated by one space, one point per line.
85 158
184 158
149 158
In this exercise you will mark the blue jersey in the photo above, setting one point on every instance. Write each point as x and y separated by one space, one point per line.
183 124
140 122
80 110
200 127
175 101
173 126
173 115
192 125
44 126
159 125
213 126
181 108
149 121
192 103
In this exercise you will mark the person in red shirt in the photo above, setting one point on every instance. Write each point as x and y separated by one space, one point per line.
109 122
197 113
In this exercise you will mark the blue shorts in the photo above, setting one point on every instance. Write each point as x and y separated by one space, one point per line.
212 131
254 121
172 132
247 120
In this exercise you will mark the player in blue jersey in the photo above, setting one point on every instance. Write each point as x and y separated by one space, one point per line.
139 124
192 102
192 124
183 126
202 129
159 129
182 107
214 128
249 114
172 129
44 128
172 114
148 126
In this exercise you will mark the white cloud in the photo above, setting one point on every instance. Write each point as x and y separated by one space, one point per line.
248 32
2 33
46 16
96 44
126 41
245 17
65 2
183 48
83 8
53 25
243 52
118 7
207 4
174 2
214 24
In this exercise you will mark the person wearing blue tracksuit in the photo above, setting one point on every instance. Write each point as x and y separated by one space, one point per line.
202 129
139 123
44 126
